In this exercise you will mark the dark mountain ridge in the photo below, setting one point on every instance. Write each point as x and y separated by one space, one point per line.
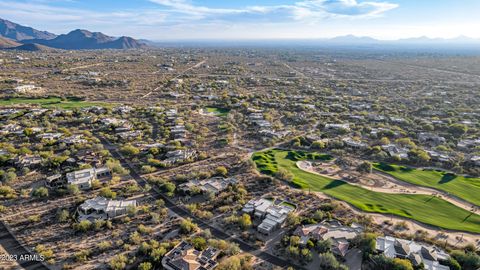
32 47
85 40
75 40
8 43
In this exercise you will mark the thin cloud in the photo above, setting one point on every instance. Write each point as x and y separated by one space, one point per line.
349 7
307 9
30 13
186 7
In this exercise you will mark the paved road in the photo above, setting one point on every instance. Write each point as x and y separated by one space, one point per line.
155 130
13 247
204 225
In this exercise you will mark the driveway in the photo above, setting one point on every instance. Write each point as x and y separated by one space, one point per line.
354 259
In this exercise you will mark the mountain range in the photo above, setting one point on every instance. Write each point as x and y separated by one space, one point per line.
15 36
351 39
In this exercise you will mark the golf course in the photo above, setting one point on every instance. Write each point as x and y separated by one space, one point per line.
53 102
423 208
460 186
217 111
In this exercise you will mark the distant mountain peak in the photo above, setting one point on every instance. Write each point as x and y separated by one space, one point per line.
353 39
80 32
424 39
18 32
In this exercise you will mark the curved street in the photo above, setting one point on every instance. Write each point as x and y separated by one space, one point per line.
172 206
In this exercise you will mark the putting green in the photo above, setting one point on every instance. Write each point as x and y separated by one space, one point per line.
218 111
460 186
423 208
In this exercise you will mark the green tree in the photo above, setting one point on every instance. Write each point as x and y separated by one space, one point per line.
135 238
6 192
319 215
323 246
452 263
402 264
116 167
199 243
188 226
328 262
28 132
221 170
284 175
419 156
294 240
305 254
157 254
406 142
292 219
41 192
130 150
9 177
108 193
467 260
293 251
457 130
118 262
73 189
82 226
147 169
366 243
245 221
145 266
63 215
169 188
82 256
365 167
319 145
232 263
384 141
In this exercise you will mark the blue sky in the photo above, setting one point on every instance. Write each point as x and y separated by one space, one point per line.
250 19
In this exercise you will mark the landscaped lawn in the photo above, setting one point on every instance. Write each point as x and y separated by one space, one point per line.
218 111
460 186
53 102
423 208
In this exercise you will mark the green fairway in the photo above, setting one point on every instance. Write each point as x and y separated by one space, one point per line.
53 102
217 111
462 187
423 208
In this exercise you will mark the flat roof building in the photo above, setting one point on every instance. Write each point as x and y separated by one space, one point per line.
272 215
214 185
185 257
396 151
100 208
83 178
